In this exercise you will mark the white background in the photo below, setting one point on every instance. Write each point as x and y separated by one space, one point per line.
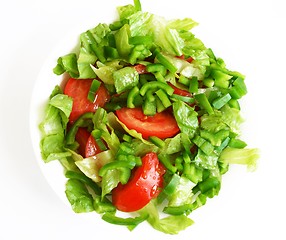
248 35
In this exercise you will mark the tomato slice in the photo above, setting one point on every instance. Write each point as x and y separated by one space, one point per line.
78 89
145 184
87 145
162 125
180 92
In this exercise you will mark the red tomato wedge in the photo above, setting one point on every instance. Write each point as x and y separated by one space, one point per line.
145 184
161 125
87 145
78 89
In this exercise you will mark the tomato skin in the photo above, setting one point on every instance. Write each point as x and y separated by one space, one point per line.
145 184
161 125
180 92
140 68
78 90
87 145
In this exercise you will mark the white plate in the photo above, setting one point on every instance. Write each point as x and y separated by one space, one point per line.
236 211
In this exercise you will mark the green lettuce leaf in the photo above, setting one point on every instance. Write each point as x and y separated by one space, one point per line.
90 166
183 193
125 79
54 124
78 196
147 24
186 118
245 156
185 24
232 118
109 181
169 225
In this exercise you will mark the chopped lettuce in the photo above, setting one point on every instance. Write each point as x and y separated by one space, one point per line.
125 79
243 156
90 166
186 118
53 126
170 224
78 196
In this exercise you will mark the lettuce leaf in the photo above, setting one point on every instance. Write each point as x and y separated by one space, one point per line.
54 124
169 225
78 196
186 118
245 156
147 24
90 166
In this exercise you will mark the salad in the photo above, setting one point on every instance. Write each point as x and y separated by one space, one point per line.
145 122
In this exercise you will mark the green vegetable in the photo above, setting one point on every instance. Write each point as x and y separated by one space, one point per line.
93 89
67 64
244 156
78 196
125 79
53 126
169 225
186 118
131 222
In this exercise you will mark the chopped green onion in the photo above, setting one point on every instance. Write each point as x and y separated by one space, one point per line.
100 144
111 218
239 88
209 184
221 79
115 165
159 105
221 101
204 102
125 174
149 107
156 67
80 122
171 186
234 104
204 145
184 80
179 210
179 163
167 162
96 133
186 157
149 95
155 85
131 97
164 61
111 52
208 82
99 52
185 99
192 172
67 63
103 206
157 141
194 85
93 89
164 98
